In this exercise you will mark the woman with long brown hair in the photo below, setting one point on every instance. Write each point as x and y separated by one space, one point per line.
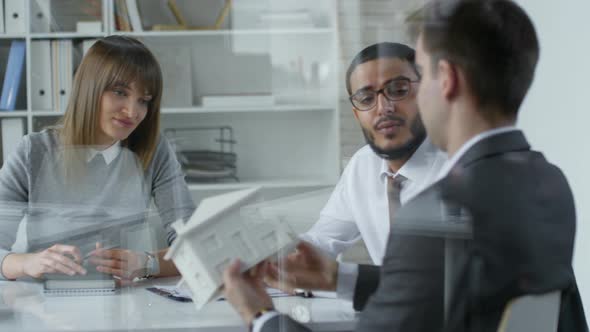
105 152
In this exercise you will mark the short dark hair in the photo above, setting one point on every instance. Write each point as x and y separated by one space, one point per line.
382 50
493 41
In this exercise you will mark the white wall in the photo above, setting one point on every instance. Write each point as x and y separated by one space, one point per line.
556 113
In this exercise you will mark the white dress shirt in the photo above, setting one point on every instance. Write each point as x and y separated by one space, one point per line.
358 206
348 273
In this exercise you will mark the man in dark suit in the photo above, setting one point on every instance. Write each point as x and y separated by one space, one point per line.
477 60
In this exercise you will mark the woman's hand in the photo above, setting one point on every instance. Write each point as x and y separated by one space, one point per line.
122 263
59 258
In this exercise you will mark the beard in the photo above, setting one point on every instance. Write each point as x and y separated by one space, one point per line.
406 149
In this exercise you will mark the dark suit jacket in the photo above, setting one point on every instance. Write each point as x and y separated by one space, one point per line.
522 217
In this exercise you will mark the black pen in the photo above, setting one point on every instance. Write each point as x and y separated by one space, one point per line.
168 294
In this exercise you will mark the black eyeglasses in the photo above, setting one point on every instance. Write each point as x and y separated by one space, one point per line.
394 90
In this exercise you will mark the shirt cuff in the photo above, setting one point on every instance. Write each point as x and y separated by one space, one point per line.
347 275
265 317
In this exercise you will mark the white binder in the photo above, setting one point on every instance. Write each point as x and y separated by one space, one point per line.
41 75
134 16
55 74
62 59
66 72
12 132
40 16
14 16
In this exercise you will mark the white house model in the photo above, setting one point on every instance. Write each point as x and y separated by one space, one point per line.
220 230
300 211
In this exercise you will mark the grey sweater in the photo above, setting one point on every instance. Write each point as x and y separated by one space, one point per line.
33 177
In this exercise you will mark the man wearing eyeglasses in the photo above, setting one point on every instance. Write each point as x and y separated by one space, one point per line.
478 59
382 81
396 164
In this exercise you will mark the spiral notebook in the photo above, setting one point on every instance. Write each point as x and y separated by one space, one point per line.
92 284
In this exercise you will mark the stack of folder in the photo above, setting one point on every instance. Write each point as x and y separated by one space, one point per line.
206 165
52 73
205 153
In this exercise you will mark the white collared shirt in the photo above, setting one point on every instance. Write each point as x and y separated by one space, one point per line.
358 206
109 154
468 145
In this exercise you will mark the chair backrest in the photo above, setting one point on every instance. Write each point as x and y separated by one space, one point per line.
537 313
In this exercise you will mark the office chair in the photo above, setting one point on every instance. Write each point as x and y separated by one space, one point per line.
537 313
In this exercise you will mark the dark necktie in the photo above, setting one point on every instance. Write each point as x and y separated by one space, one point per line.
394 188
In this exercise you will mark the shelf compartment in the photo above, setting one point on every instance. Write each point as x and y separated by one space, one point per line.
277 109
265 183
13 114
12 36
196 33
67 35
46 113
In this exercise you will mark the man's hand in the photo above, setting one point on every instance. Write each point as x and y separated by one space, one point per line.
59 258
307 268
122 263
246 291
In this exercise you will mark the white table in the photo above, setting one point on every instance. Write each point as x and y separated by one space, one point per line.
26 308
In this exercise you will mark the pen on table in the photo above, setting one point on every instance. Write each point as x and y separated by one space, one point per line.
303 293
168 294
